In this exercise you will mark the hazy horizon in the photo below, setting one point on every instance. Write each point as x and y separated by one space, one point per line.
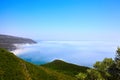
84 53
61 19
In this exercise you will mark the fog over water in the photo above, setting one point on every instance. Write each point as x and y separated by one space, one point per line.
84 53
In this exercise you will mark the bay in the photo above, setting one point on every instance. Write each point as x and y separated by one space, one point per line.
84 53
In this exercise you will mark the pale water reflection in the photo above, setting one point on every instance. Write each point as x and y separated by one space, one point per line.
78 52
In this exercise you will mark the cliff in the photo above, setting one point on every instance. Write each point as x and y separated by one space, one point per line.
7 41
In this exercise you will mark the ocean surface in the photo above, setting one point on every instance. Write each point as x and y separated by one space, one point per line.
84 53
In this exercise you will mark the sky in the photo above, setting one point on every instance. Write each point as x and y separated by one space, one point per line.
61 19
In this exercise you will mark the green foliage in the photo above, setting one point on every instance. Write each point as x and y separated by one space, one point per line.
9 64
108 69
100 70
114 70
66 68
81 76
1 72
104 65
117 58
14 68
93 74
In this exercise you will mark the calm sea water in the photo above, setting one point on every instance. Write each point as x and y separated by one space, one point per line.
84 53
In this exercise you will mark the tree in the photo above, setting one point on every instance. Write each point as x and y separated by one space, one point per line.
114 69
108 69
117 57
81 76
93 74
104 65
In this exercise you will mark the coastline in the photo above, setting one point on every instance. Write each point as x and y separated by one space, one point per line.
20 48
12 43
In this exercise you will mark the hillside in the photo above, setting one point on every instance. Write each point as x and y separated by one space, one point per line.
14 68
66 68
8 42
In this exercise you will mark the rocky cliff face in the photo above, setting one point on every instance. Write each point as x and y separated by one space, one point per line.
8 42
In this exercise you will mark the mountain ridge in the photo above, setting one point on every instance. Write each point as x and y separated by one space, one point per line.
8 41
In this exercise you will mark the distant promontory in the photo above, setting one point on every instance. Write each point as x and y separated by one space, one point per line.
7 41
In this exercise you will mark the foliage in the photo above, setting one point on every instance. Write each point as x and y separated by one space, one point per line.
117 58
14 68
108 69
81 76
104 65
93 74
114 70
66 68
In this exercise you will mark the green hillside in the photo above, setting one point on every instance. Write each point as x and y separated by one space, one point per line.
14 68
66 68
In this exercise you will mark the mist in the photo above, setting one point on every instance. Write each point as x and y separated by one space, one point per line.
84 53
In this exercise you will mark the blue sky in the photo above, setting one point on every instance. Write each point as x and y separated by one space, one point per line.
61 19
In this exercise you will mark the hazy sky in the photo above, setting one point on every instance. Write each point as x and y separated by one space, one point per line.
61 19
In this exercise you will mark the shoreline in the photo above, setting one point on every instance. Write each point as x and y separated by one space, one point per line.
20 48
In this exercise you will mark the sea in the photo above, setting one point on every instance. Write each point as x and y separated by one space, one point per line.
84 53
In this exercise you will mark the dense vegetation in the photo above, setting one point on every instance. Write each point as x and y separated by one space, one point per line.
66 68
14 68
108 69
7 41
